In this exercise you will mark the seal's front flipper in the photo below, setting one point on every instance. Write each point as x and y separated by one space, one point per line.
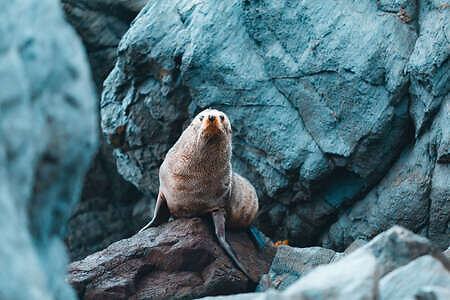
257 237
219 225
161 214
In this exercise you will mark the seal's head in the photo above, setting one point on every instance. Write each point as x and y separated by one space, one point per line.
213 125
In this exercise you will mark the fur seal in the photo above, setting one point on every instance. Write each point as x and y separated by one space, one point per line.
196 179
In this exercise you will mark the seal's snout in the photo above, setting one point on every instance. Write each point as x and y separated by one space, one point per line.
211 126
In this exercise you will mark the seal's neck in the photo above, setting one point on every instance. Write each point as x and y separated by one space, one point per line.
202 155
216 150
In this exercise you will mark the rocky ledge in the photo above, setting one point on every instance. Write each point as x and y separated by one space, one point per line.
180 260
396 264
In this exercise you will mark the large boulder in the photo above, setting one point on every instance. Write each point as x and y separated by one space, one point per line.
180 259
387 252
317 94
108 202
48 134
395 265
416 191
415 194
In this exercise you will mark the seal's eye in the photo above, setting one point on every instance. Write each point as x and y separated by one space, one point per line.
201 118
222 117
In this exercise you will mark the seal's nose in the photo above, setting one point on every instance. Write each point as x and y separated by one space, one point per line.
211 118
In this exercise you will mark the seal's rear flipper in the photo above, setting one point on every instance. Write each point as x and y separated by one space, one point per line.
257 237
161 214
219 225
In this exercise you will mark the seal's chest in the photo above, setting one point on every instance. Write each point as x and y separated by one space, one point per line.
192 196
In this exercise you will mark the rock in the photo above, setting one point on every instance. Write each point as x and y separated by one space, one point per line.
268 295
291 264
316 92
48 134
101 24
180 259
406 10
108 209
391 266
415 193
355 245
406 281
385 253
447 253
108 202
428 65
338 280
431 293
397 247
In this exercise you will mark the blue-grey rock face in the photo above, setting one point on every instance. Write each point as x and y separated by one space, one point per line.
428 65
320 95
397 284
48 124
415 193
290 264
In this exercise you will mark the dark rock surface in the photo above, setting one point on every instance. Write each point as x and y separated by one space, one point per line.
110 208
323 96
180 259
396 264
48 134
101 24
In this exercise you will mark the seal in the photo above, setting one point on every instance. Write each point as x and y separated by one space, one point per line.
196 179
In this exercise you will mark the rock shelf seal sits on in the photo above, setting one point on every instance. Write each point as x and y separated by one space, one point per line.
196 179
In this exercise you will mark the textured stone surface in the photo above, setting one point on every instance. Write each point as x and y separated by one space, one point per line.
318 104
48 133
415 194
110 208
406 281
291 264
101 24
338 281
428 65
416 191
385 253
394 265
431 293
180 259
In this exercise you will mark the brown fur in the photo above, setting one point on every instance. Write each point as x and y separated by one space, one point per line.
196 176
